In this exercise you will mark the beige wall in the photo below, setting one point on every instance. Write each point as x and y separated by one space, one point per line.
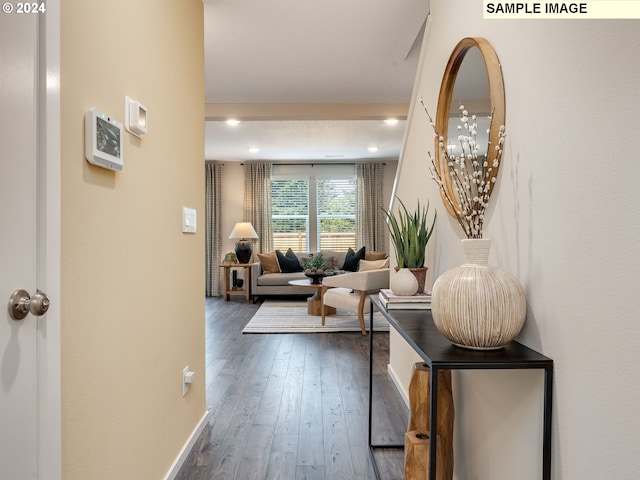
561 220
132 283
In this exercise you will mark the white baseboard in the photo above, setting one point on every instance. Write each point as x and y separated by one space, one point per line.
398 384
186 449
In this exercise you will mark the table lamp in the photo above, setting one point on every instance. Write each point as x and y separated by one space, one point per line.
244 248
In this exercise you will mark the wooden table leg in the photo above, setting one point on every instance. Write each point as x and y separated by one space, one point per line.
314 305
419 392
247 281
416 455
225 283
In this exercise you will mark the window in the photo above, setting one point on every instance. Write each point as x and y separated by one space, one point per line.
336 213
314 212
290 214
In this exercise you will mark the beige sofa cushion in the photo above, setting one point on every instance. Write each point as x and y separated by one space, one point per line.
269 262
373 264
280 279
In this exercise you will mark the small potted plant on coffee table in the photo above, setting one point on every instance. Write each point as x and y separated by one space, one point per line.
314 267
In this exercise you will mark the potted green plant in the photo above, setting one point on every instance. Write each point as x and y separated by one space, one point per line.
314 262
410 233
314 267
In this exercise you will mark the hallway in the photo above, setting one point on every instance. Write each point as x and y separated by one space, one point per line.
292 406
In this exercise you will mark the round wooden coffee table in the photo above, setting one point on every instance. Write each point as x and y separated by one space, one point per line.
314 303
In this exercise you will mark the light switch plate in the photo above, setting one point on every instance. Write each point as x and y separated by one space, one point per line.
135 117
185 384
189 220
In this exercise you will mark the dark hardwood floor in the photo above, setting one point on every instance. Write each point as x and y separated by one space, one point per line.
292 406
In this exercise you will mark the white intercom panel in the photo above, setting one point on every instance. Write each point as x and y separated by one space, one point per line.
103 140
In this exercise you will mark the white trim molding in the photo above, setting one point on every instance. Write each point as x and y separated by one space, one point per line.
188 446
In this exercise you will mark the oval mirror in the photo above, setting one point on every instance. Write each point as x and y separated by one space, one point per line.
472 78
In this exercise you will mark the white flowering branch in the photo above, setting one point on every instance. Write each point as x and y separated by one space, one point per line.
471 175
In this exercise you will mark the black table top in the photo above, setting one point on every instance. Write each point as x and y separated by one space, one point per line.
418 329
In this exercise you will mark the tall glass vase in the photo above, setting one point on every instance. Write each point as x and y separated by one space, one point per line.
476 305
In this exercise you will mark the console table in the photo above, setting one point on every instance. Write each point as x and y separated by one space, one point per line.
419 331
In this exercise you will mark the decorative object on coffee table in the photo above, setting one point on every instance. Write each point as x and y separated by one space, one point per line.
410 234
314 268
316 278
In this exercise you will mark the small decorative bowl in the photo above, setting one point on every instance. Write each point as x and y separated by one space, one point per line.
316 278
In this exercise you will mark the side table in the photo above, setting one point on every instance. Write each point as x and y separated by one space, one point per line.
227 289
416 327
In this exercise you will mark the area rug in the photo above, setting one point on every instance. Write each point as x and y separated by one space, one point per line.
278 316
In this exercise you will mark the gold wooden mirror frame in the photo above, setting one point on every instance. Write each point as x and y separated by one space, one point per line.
496 95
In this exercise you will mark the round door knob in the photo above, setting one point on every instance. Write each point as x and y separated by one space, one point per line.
39 303
21 303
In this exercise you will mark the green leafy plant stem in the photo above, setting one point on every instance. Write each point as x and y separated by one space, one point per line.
410 234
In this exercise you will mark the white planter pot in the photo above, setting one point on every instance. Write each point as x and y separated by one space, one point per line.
403 282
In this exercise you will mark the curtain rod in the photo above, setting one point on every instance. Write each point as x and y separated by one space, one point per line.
324 163
302 164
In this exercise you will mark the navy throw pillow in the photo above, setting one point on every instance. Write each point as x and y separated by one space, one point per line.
288 262
352 260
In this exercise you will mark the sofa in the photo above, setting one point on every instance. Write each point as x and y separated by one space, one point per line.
268 277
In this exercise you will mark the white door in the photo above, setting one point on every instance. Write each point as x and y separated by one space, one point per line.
19 149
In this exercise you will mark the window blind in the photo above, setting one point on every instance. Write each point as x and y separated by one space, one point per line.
290 214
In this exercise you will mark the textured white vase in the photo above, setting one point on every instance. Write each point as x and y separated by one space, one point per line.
476 305
403 282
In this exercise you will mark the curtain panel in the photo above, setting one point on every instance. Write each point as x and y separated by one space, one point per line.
370 226
257 203
213 222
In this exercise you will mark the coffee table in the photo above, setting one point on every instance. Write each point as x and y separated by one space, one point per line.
314 303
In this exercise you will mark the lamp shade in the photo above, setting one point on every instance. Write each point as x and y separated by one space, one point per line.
243 230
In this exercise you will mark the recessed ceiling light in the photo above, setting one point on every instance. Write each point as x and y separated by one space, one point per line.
233 122
373 149
391 121
254 149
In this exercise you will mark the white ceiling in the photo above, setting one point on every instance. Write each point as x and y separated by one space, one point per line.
304 140
309 80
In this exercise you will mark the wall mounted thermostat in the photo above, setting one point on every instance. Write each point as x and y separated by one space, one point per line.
103 140
135 117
